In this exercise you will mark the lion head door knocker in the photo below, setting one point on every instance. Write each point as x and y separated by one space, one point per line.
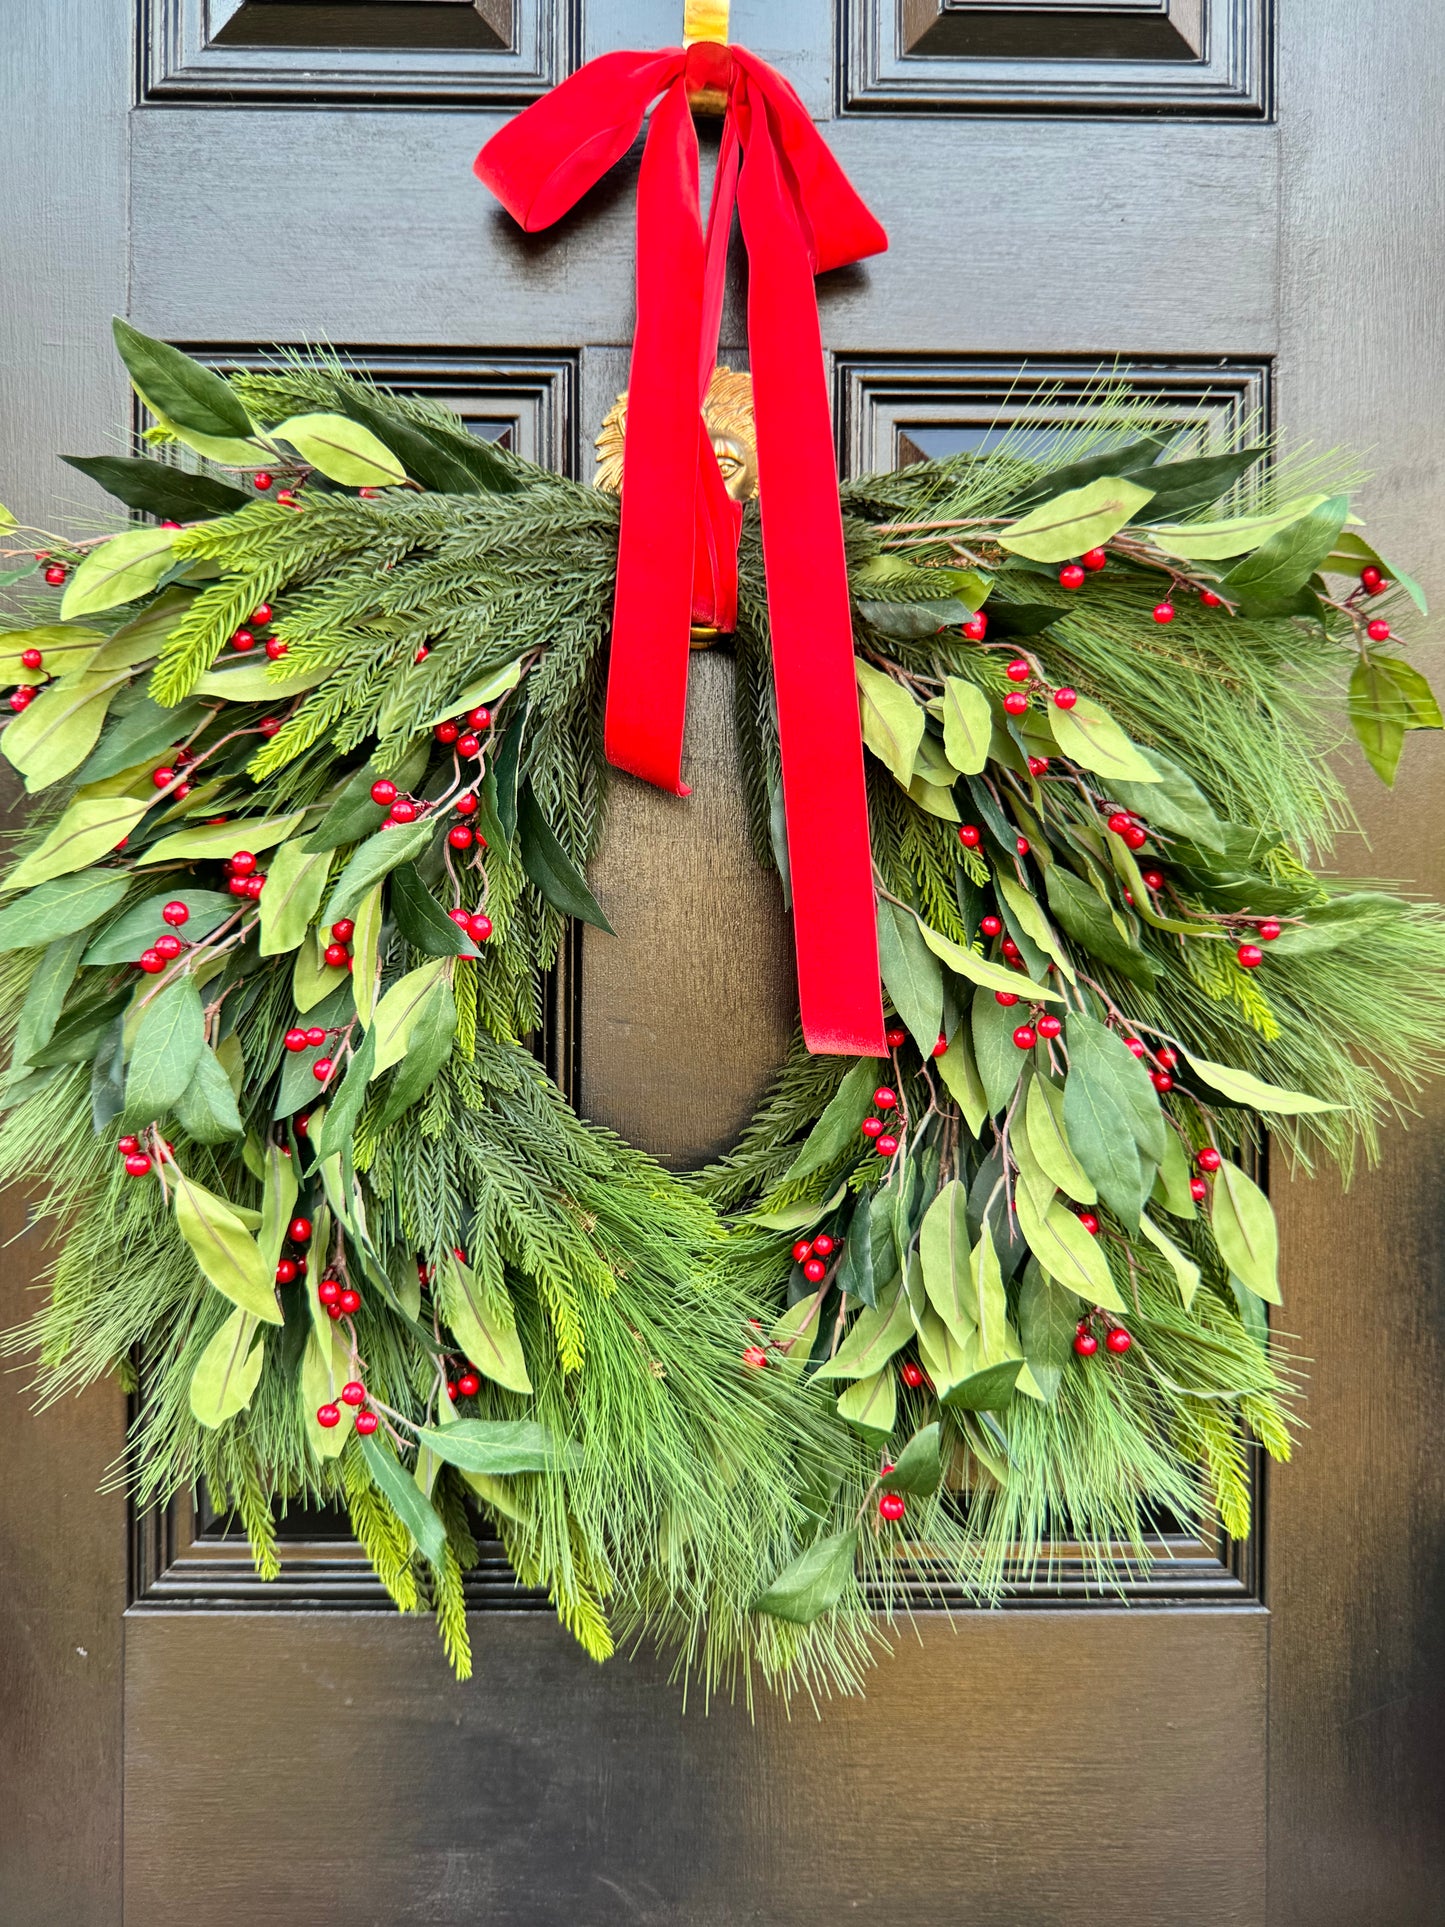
728 412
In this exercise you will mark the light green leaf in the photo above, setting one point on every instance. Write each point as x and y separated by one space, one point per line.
892 722
1068 1253
370 861
429 1047
224 1249
227 1371
492 1346
325 1368
919 1467
870 1405
877 1333
278 1199
1241 1088
487 690
295 885
945 1357
1032 1176
412 1507
118 570
216 841
1024 907
791 1341
910 973
89 828
1245 1231
1186 1272
990 1306
1000 1062
937 800
313 979
1080 519
206 1109
1048 1318
1350 554
343 450
59 729
1049 1141
498 1447
1088 735
168 1043
1268 580
1171 1187
1235 535
398 1012
979 970
836 1130
945 1248
345 1106
366 950
967 725
260 682
66 647
813 1583
962 1081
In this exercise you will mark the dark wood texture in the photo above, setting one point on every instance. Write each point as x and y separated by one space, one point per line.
1016 1770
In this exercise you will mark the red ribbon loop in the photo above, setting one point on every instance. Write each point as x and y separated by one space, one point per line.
677 556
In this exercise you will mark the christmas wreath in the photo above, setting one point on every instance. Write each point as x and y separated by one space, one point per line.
318 770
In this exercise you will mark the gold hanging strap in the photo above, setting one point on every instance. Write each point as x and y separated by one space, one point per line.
705 20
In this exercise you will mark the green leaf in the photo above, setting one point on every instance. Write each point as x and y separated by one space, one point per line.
118 570
428 458
1079 519
1068 1253
870 1254
945 1358
1048 1318
836 1130
491 1345
227 1371
1422 711
1245 1231
223 1248
1351 552
173 385
138 929
399 1011
60 908
156 488
1241 1088
1235 535
967 724
1184 487
1130 458
892 722
411 1506
65 647
279 1191
791 1341
961 1079
236 681
1112 1116
911 974
499 683
430 1047
216 841
1171 1187
1000 1061
919 1468
313 980
168 1043
498 1447
325 1368
206 1108
420 918
988 1390
1027 920
50 981
552 870
370 921
343 450
344 1107
877 1333
945 1248
910 621
1088 735
870 1405
990 1306
1175 802
80 1033
1048 1139
1387 698
59 729
1267 581
1186 1272
352 815
295 885
978 970
369 862
147 731
299 1089
813 1583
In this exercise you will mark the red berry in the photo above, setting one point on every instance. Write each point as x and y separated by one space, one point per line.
333 1311
872 1127
940 1047
315 1037
1269 930
269 725
241 863
1065 698
1210 599
480 718
802 1251
1090 1223
1085 1344
469 1384
911 1374
1118 1340
243 640
461 918
1378 630
990 925
976 628
892 1506
1010 949
350 1299
815 1271
1049 1025
295 1040
1161 1080
335 954
31 658
1208 1159
1094 558
176 912
422 653
1016 702
237 886
286 497
1153 879
755 1356
1120 821
125 1145
1038 765
1163 611
460 837
1371 577
403 810
285 1271
56 574
21 698
255 885
895 1036
885 1098
383 790
261 616
1167 1057
366 1423
1022 846
1250 956
151 961
353 1392
1071 576
479 927
299 1231
168 946
1134 1046
823 1245
1136 836
969 836
469 745
1019 670
1007 998
321 1069
1198 1190
160 777
446 732
343 929
328 1415
261 479
1025 1037
465 804
136 1164
328 1291
275 648
886 1145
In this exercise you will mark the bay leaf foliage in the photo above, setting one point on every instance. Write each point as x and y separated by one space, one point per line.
372 1255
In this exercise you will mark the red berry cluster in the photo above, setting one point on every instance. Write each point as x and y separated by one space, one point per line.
341 1301
476 923
813 1255
1018 701
243 879
885 1099
137 1158
252 631
292 1264
466 733
1086 1342
1129 828
168 946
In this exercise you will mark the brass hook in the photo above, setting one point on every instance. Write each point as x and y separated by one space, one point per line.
706 20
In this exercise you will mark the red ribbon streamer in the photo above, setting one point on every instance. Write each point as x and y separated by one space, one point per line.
677 559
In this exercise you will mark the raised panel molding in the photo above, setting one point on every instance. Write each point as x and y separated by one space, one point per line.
1201 58
461 52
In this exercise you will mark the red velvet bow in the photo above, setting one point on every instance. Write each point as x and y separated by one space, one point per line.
677 560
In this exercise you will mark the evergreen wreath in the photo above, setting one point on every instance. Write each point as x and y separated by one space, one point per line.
318 772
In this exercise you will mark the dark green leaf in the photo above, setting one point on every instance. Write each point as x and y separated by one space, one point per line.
345 1107
1175 803
1128 459
370 861
107 1078
299 1089
908 621
77 1036
1183 488
206 1108
1048 1317
919 1468
504 773
49 986
156 488
138 929
987 1391
1379 716
407 1501
1268 582
1020 619
145 731
912 975
351 817
813 1583
1084 916
168 1045
420 918
431 459
59 908
180 389
836 1130
498 1447
552 870
1112 1115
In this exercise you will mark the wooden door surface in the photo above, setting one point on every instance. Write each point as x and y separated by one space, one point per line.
1238 204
